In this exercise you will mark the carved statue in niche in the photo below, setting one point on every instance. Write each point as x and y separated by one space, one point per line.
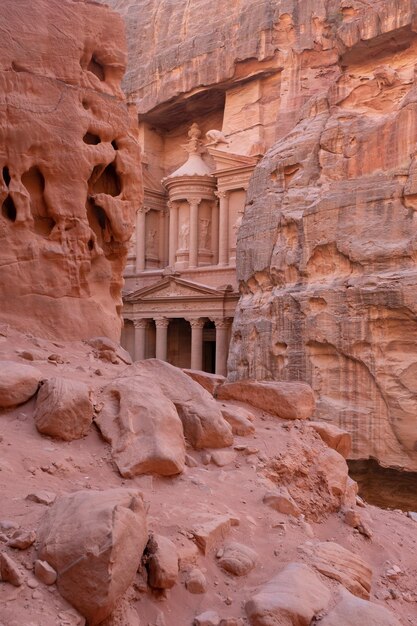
216 136
203 242
184 236
151 241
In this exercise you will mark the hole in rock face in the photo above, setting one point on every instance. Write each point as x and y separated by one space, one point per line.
34 182
9 210
96 68
108 182
114 144
90 244
101 216
6 176
91 139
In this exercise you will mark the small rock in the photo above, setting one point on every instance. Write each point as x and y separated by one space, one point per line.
280 500
56 358
237 559
45 573
412 515
37 595
32 583
6 524
162 562
352 518
9 571
208 618
209 533
231 621
42 497
206 458
22 539
223 457
195 581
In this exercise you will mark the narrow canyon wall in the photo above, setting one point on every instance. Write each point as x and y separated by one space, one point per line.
328 245
69 168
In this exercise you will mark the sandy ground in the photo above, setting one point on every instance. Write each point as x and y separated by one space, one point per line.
30 462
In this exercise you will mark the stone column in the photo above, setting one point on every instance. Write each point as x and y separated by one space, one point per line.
140 239
173 232
223 227
194 204
215 232
197 326
140 338
161 324
222 345
161 240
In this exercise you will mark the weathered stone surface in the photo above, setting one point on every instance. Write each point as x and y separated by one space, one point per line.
42 497
162 560
334 561
195 581
109 350
210 382
209 533
94 540
293 597
64 409
18 383
68 195
208 618
22 539
45 573
240 419
237 559
338 439
325 249
351 611
291 400
143 427
203 423
280 500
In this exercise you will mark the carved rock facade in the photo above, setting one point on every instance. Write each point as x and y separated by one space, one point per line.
69 168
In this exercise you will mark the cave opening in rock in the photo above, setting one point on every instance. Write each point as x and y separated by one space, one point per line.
385 487
91 139
34 182
9 210
96 68
6 176
107 182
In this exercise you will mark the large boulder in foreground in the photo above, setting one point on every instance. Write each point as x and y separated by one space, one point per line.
143 428
64 409
292 598
18 383
288 400
202 420
94 540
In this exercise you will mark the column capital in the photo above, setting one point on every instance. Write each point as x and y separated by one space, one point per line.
172 204
140 323
197 322
194 201
222 322
221 193
161 322
143 210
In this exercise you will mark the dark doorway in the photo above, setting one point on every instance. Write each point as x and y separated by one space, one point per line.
209 347
179 343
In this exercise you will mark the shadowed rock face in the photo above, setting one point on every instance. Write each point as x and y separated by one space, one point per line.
327 247
69 168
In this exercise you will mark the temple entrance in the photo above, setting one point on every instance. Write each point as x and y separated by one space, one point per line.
179 343
209 347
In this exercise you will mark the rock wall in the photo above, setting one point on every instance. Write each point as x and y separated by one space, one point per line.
327 248
69 168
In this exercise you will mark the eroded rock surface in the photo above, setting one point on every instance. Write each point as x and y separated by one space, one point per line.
69 168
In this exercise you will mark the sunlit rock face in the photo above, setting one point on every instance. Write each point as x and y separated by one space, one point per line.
327 248
69 168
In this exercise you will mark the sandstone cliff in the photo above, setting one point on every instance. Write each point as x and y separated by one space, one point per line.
69 168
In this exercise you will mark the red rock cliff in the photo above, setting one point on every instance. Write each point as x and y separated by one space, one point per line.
69 168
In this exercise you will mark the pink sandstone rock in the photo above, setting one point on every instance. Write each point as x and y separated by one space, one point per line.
70 177
335 437
351 611
18 383
286 400
94 540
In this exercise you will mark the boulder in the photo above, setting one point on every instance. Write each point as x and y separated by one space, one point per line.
209 533
208 618
64 409
210 382
195 581
162 560
237 559
94 540
287 400
22 539
221 458
18 383
292 598
143 428
240 419
203 423
45 573
352 611
9 571
349 569
336 438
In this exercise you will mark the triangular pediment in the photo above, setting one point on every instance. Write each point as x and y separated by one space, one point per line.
173 287
229 160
